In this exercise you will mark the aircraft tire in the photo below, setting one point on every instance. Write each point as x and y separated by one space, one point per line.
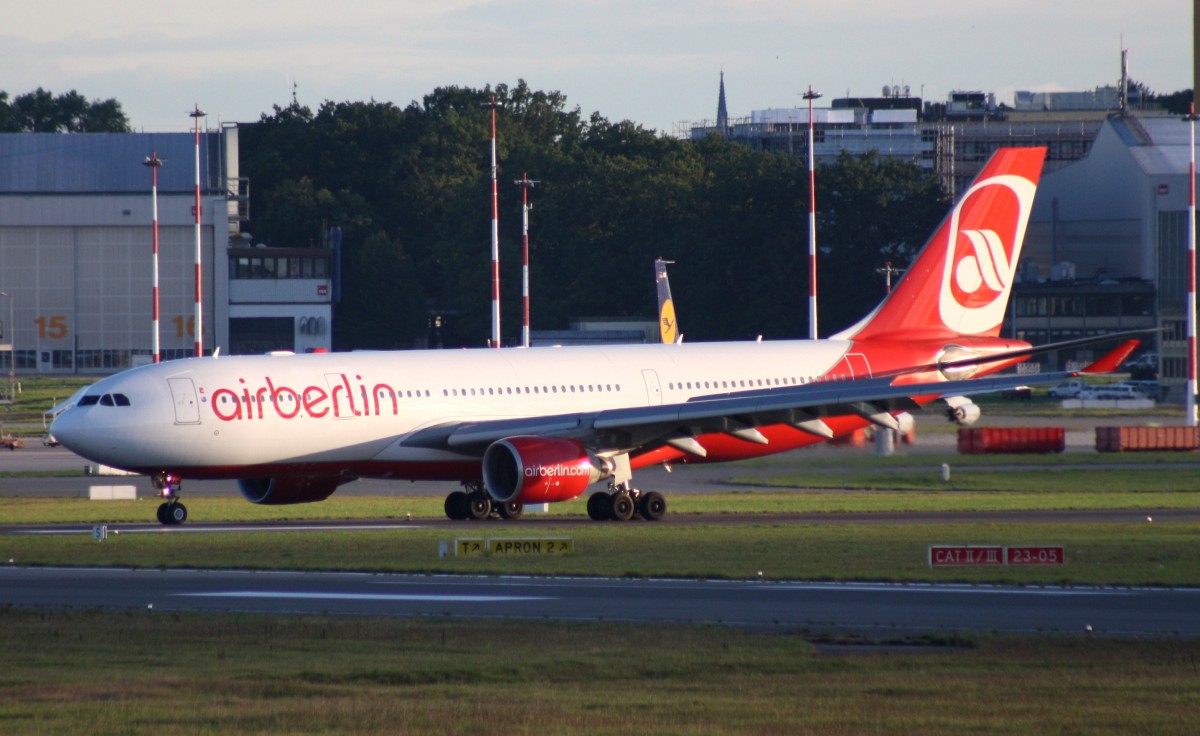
162 513
511 510
176 513
599 506
652 506
456 506
479 506
622 507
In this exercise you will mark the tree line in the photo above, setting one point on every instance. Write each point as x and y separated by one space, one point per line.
410 189
42 111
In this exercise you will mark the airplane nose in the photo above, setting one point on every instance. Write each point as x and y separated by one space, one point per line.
67 429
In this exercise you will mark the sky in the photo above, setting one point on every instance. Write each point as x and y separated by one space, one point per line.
654 62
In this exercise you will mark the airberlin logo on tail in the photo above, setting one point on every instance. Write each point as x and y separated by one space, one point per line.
986 230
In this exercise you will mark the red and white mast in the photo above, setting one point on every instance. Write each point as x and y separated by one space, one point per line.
525 183
198 328
810 95
1191 387
154 162
495 236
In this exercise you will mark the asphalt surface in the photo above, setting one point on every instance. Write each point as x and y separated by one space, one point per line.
868 609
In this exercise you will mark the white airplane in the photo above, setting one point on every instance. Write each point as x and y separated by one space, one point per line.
538 425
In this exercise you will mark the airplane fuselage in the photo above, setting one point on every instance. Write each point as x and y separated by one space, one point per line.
354 412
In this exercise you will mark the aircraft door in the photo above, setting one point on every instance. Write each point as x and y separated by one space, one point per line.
653 389
183 396
342 401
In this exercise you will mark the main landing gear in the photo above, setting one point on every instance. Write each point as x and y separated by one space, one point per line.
170 511
624 503
474 503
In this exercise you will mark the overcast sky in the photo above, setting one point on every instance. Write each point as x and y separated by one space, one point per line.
654 62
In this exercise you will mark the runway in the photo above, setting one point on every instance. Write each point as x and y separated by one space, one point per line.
870 609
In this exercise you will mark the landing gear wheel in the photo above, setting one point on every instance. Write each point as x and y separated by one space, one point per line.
652 506
456 506
599 507
622 507
479 506
511 509
171 513
177 513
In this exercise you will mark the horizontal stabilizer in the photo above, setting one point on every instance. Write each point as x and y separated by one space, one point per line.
1113 359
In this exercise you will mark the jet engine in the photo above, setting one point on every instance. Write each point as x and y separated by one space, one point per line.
540 469
290 489
963 411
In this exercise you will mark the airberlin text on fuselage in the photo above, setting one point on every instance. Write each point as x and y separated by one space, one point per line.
285 402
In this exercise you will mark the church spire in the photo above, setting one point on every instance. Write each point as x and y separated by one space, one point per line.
722 112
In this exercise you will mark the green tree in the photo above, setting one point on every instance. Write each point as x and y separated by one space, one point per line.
41 111
411 189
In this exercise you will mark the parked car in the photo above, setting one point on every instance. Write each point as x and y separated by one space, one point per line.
1145 360
1149 389
1111 392
1067 390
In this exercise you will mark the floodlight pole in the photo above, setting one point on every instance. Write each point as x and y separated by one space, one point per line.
888 271
154 162
196 114
1191 387
495 234
525 183
810 95
12 351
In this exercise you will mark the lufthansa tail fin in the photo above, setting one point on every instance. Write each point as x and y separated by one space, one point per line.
668 327
960 282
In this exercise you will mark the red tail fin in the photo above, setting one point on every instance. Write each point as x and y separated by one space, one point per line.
960 282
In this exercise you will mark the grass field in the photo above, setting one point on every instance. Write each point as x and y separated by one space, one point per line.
1132 554
145 673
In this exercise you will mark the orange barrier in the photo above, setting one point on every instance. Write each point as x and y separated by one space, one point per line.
1134 439
980 440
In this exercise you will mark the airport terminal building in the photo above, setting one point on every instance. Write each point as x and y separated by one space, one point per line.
76 242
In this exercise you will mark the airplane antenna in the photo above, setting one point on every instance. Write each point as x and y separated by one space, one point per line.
810 95
495 234
525 183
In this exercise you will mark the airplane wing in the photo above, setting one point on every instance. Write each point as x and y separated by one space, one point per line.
646 427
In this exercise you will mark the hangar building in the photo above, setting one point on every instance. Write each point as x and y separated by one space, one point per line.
76 246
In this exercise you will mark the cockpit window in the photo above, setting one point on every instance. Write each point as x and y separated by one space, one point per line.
105 400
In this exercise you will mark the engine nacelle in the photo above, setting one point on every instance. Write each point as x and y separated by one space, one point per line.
291 489
540 469
963 411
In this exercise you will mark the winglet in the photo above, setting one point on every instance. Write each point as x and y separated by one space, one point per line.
1113 359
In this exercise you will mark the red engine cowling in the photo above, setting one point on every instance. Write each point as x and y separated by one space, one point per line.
290 489
540 469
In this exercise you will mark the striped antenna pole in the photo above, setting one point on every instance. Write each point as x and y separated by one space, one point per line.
495 235
525 183
810 95
198 327
154 162
1193 419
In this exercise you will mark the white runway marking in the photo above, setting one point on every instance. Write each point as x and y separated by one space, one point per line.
398 597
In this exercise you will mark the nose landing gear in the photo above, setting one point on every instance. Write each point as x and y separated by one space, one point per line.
170 511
